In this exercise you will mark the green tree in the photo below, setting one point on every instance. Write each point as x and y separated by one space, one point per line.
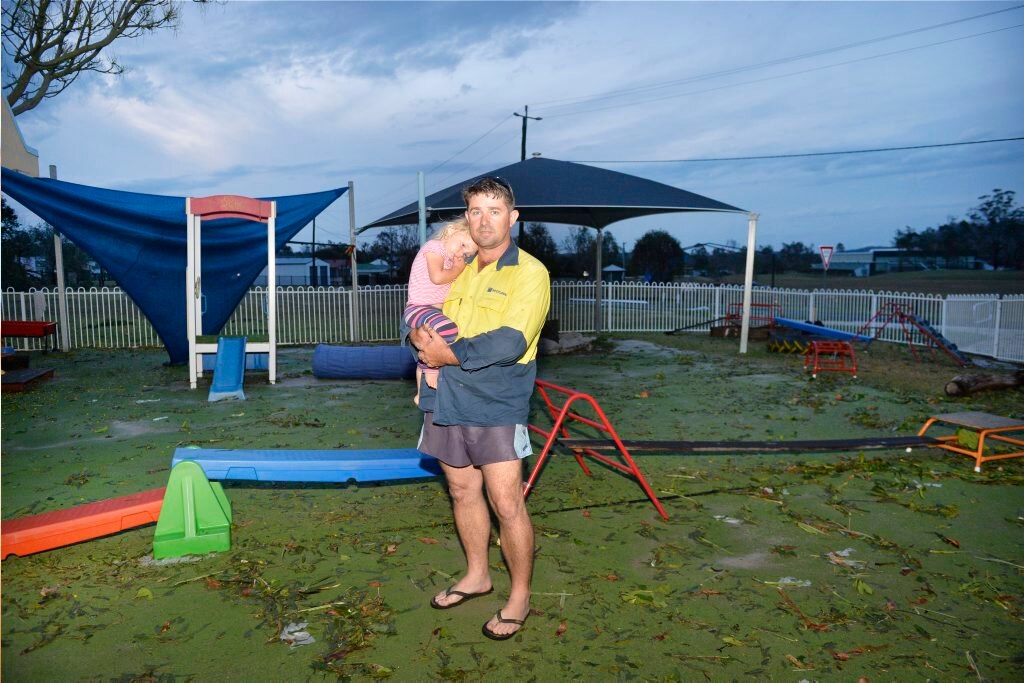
48 44
537 242
332 250
658 256
398 246
16 244
21 243
578 250
999 228
795 256
994 233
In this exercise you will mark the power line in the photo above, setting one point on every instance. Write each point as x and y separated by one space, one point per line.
773 62
472 143
786 75
443 182
794 156
381 197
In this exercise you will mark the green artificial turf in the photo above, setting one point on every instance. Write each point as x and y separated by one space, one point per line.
887 565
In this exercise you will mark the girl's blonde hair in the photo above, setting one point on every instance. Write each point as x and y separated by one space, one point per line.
450 229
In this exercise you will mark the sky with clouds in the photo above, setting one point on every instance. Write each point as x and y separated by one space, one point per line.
272 98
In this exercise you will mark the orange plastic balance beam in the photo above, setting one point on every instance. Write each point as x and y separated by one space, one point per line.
50 530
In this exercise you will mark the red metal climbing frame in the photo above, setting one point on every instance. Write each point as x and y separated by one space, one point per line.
562 416
836 356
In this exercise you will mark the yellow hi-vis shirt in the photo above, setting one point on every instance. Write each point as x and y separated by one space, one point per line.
500 311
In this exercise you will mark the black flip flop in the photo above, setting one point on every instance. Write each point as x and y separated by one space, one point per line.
502 620
465 597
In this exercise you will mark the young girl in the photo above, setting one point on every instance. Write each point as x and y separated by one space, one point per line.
435 267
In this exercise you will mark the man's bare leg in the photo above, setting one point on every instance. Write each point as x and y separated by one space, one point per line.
504 482
473 523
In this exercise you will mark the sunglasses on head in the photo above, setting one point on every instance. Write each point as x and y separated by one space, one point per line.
504 183
501 181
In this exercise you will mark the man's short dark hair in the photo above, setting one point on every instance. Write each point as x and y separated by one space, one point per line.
491 186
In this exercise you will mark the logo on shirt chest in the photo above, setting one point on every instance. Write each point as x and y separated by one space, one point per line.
496 291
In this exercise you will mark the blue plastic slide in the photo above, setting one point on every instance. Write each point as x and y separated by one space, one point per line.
253 361
334 466
823 331
229 370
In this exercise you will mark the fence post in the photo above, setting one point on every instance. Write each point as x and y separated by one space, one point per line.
995 337
354 313
943 312
718 303
811 307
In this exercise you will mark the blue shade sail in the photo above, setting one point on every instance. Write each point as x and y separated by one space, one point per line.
140 239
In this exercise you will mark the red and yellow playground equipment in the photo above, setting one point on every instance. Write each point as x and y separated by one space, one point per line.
915 331
830 356
761 315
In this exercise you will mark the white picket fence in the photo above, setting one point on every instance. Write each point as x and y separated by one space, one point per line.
982 324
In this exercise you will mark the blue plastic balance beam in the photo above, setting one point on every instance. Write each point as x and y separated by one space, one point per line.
310 466
823 331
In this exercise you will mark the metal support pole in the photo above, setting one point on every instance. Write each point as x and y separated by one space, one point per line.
748 280
598 243
314 276
353 308
62 293
421 194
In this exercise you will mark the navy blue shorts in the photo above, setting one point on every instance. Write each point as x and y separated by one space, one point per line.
464 445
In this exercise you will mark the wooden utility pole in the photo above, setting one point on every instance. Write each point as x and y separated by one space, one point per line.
525 116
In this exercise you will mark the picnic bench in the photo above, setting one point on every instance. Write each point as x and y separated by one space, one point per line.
974 430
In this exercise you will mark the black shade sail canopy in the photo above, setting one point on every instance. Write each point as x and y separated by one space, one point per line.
552 191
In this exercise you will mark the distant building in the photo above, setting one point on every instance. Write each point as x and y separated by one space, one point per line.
36 265
298 271
613 273
875 260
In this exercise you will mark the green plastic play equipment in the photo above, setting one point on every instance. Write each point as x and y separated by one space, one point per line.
196 515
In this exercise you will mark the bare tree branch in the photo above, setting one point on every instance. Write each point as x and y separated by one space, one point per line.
48 44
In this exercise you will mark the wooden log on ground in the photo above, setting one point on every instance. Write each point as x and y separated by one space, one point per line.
962 385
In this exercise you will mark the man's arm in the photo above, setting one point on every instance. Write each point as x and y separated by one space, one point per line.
434 350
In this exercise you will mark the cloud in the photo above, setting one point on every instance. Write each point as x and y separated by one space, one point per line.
278 98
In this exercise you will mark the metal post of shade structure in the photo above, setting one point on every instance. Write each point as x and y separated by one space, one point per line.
599 244
314 277
62 292
271 293
748 280
353 308
422 195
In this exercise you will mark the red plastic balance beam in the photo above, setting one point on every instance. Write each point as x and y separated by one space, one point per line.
50 530
562 417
